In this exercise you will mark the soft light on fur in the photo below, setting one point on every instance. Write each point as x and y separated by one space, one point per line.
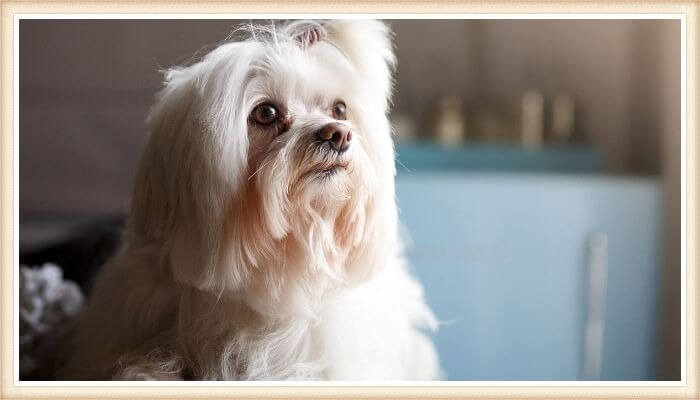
242 259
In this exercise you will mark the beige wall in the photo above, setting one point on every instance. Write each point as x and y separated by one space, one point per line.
668 48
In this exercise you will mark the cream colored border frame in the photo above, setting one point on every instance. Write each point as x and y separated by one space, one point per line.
8 215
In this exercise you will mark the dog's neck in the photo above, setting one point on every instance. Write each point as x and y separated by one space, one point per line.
228 338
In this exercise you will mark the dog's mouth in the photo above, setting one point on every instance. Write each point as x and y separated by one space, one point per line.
332 170
327 170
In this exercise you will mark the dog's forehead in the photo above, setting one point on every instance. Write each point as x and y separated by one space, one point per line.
307 72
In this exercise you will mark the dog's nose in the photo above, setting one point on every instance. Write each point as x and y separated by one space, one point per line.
338 135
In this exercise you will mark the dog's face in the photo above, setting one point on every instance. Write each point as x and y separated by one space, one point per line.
270 162
308 141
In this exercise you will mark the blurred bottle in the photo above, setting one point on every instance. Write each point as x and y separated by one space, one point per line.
448 121
532 119
492 123
562 124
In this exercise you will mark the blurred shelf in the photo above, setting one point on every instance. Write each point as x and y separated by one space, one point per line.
428 156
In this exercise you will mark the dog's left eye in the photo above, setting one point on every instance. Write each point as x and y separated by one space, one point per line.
265 114
339 110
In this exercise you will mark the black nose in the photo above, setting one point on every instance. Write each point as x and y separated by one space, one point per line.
338 135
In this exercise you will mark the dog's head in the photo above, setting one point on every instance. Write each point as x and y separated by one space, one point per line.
270 162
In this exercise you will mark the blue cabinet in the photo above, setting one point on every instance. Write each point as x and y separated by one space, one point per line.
505 259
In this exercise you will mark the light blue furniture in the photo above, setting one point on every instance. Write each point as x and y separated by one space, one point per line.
477 156
505 261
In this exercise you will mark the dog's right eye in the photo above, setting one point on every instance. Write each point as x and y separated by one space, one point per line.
265 114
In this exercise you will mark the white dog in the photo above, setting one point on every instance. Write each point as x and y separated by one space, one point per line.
263 239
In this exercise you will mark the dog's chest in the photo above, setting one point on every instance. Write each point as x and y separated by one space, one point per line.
365 334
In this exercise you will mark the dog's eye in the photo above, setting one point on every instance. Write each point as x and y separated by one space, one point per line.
265 114
339 110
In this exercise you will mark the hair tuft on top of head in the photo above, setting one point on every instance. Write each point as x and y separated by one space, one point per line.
306 33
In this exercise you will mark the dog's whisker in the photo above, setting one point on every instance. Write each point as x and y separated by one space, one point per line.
262 167
256 172
396 158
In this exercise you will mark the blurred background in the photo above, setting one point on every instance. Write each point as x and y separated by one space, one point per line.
538 177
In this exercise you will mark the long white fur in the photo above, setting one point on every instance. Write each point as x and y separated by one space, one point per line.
239 265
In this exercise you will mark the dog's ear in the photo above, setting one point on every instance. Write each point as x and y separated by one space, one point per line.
153 206
194 160
368 46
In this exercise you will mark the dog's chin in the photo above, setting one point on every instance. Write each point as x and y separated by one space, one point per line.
328 169
329 181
